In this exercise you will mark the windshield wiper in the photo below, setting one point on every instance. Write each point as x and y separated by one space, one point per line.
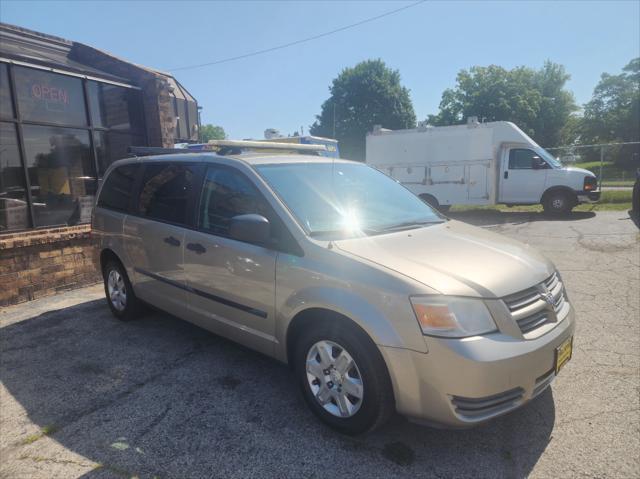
410 225
342 233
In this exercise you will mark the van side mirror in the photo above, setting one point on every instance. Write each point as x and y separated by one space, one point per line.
250 228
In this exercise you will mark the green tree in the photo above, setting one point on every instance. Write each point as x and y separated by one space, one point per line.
368 94
613 114
535 100
211 132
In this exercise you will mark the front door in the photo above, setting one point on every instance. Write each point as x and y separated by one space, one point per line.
155 234
231 283
524 175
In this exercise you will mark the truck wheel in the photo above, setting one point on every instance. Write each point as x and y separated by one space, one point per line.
558 203
120 296
343 378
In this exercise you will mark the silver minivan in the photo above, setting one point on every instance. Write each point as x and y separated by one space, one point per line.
377 302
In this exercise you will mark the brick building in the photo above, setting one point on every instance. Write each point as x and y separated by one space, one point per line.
67 111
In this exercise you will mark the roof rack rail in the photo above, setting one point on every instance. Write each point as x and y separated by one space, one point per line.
264 145
235 147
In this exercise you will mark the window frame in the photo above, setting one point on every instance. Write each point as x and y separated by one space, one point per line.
89 126
288 244
535 153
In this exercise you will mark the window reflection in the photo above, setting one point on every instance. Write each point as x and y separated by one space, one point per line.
14 212
113 146
49 97
61 173
115 107
6 105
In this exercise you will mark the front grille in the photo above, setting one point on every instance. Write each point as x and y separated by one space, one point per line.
481 408
529 308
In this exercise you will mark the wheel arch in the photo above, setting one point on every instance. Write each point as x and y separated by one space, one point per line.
430 199
106 255
559 188
314 315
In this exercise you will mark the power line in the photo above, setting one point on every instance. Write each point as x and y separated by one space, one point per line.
298 42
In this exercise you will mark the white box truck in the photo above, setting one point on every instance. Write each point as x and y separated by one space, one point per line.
478 164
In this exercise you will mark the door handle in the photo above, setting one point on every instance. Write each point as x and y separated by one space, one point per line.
171 241
506 175
197 248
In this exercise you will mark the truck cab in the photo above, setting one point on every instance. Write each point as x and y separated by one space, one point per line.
530 175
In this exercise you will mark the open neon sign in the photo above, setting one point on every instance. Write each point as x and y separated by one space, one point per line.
50 94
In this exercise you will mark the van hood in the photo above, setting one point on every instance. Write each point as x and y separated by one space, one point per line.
455 258
579 170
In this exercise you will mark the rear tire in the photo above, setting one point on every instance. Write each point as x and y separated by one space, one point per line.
326 382
119 293
558 203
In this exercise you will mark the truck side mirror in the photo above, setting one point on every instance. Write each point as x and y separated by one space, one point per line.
538 163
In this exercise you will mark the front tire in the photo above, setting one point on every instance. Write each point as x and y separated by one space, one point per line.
119 293
343 378
558 203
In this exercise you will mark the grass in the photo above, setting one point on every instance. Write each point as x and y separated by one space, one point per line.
610 200
45 431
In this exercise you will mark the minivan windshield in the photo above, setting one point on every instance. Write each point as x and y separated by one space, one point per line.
338 200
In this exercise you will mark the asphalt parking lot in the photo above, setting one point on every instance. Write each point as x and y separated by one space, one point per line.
84 395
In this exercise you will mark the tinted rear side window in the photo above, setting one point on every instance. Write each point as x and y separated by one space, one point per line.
118 188
164 192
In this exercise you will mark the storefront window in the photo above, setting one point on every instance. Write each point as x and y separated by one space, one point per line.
53 181
115 107
14 209
112 146
6 105
61 174
50 97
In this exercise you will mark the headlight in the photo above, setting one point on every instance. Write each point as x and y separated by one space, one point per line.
452 317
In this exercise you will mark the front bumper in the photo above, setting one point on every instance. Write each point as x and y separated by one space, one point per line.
462 382
588 196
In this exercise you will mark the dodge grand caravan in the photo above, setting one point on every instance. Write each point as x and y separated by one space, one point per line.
378 303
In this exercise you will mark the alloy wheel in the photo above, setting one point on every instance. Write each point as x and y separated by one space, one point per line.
117 290
334 379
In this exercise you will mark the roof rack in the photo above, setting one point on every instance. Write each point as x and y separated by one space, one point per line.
235 147
227 147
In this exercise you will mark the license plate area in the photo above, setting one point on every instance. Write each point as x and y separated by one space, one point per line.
563 353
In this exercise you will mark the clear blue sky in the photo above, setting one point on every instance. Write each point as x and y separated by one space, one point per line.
429 44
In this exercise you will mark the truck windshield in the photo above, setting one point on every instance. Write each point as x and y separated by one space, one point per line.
341 200
549 158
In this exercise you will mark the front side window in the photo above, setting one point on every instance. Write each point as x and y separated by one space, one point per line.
50 97
227 193
345 199
118 188
525 159
61 174
14 210
164 192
